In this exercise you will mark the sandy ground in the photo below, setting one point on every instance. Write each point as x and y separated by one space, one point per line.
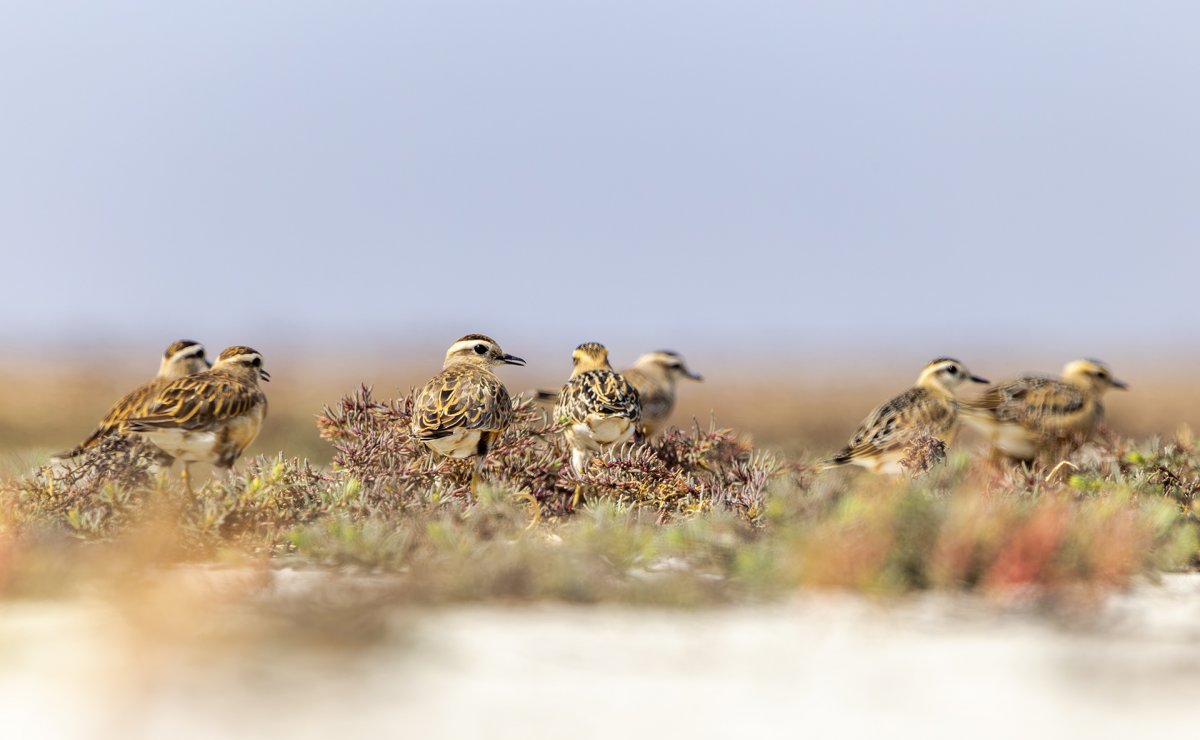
822 665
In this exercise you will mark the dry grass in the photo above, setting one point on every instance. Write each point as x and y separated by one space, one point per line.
699 516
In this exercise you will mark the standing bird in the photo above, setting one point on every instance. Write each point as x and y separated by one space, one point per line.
928 409
654 375
181 359
209 417
1036 413
599 407
463 410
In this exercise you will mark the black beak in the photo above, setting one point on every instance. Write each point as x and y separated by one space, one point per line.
512 360
694 376
262 373
977 379
1119 384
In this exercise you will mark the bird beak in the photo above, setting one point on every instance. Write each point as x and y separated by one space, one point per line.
692 375
977 379
512 360
262 373
1119 384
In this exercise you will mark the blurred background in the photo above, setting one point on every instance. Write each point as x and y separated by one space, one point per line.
807 200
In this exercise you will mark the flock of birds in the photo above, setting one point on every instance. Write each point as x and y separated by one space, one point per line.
197 412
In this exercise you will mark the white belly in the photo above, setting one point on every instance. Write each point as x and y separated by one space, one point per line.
462 443
1014 441
599 432
185 445
887 463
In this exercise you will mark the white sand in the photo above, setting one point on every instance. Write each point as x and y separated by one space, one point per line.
819 666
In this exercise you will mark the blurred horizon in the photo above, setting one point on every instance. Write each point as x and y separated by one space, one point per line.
752 179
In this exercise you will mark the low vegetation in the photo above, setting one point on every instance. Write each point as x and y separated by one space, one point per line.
696 516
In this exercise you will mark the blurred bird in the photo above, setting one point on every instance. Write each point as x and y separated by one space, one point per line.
1036 413
464 409
599 407
181 359
210 417
655 376
928 409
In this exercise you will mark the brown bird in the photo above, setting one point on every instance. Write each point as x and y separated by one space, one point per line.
928 409
209 417
1035 413
599 407
655 375
181 359
464 409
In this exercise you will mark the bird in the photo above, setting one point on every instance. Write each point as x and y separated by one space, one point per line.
655 376
463 410
179 360
209 417
1036 413
928 409
599 408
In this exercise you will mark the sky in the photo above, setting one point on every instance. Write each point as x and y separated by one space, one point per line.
733 174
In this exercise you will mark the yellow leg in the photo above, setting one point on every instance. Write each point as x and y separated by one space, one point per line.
476 479
187 479
1060 466
577 496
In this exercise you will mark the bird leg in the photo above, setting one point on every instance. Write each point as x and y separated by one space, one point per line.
477 476
579 461
187 478
1054 471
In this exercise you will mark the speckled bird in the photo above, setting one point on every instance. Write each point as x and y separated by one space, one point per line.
181 359
1035 413
210 417
928 409
655 375
464 409
599 407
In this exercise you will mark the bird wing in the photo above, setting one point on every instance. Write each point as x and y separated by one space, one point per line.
1031 401
133 404
197 401
899 422
600 393
461 398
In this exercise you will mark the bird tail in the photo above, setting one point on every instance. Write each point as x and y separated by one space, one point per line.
80 448
841 459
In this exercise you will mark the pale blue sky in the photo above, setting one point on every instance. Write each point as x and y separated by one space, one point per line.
663 173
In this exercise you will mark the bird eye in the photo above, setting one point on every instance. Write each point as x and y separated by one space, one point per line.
481 349
256 362
953 370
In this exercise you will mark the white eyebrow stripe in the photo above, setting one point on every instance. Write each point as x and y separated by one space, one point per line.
195 350
467 345
243 358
